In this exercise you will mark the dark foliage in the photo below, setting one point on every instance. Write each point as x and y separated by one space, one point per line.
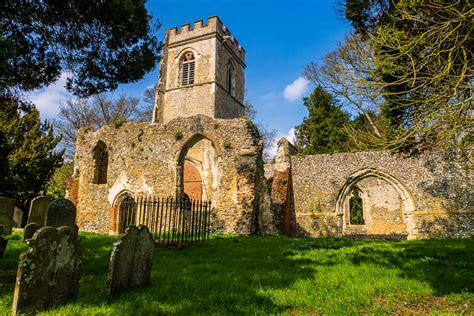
102 43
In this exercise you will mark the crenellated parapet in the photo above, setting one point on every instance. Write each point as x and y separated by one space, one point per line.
213 27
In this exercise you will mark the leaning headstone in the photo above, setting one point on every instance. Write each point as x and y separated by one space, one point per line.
17 217
131 260
61 212
6 214
48 272
30 230
3 245
38 207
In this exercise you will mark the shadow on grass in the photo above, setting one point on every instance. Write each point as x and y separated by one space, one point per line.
447 265
234 275
226 275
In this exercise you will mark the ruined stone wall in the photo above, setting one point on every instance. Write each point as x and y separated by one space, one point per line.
143 160
431 195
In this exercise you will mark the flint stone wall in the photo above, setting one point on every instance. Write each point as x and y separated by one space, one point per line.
438 187
143 159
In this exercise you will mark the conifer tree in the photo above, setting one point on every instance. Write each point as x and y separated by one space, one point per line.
322 131
27 156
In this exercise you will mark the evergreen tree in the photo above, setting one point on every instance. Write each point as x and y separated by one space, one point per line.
27 156
322 131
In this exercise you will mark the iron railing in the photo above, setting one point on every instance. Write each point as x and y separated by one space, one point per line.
172 221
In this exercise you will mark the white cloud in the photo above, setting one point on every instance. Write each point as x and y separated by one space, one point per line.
296 89
47 99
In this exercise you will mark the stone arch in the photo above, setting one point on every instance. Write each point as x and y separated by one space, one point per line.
181 53
182 157
407 204
118 211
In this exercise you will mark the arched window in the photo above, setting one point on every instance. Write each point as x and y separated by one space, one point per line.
230 80
187 69
101 158
356 209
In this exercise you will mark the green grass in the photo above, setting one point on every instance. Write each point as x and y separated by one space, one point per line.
261 275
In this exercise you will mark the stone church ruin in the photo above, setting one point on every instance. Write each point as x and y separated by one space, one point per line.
199 146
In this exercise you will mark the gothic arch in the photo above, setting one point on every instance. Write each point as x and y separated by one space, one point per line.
182 153
181 53
405 196
117 215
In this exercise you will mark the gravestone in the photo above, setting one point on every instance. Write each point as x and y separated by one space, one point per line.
30 230
3 245
48 272
131 260
61 212
6 214
38 207
17 217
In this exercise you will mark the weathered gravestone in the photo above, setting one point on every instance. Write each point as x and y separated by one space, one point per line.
3 245
6 214
17 217
131 260
61 212
38 207
48 272
30 230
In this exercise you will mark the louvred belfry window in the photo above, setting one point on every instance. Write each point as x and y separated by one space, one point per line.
188 69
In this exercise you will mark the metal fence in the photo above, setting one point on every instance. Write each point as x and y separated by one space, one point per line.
172 221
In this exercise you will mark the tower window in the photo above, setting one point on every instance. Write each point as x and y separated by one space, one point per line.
187 69
230 80
356 209
101 158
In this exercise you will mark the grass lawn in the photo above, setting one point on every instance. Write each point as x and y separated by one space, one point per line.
275 274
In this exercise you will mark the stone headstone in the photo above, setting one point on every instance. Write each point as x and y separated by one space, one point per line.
6 214
38 207
131 260
30 230
3 245
61 212
48 272
17 217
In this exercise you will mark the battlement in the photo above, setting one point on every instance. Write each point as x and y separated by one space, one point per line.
188 32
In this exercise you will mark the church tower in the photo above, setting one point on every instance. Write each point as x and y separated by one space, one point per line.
201 72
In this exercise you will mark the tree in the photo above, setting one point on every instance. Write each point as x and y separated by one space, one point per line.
96 112
348 74
56 186
322 131
424 64
27 153
102 43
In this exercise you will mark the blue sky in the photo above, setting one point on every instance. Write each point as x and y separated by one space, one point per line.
279 36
